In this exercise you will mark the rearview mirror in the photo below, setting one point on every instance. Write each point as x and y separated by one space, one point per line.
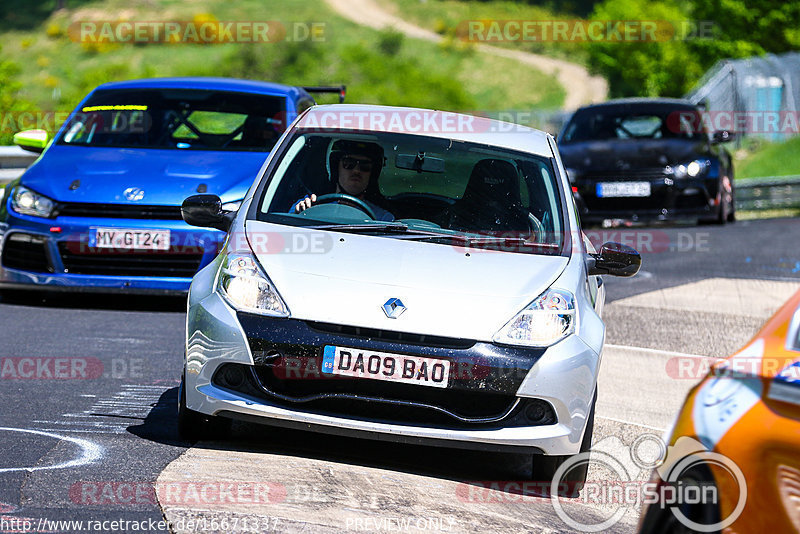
419 162
31 140
206 211
614 259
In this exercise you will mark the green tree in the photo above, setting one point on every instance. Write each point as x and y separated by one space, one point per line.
10 102
706 31
747 28
665 66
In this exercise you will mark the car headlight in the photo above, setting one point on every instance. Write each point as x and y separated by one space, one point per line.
232 206
695 168
243 284
28 202
546 320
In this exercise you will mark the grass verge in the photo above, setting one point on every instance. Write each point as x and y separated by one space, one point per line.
760 160
449 19
378 67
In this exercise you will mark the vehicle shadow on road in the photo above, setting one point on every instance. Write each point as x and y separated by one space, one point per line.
465 466
95 301
161 423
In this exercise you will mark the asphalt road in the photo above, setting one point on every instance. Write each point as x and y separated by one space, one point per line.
89 384
98 369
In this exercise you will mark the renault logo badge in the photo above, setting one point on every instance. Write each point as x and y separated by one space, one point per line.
393 308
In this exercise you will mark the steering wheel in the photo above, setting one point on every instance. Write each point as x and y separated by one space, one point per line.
537 227
348 200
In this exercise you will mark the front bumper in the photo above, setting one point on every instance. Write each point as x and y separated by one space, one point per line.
562 377
53 254
669 199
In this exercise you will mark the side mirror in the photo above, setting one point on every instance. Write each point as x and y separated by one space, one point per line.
614 259
206 211
31 140
721 136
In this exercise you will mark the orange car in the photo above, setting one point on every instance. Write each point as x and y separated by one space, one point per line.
733 461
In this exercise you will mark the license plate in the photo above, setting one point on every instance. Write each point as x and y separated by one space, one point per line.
129 239
360 363
623 189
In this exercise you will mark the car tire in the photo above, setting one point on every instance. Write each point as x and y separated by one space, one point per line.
194 426
544 467
726 206
732 210
661 520
722 216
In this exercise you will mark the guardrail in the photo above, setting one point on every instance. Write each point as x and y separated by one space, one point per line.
13 157
13 162
777 192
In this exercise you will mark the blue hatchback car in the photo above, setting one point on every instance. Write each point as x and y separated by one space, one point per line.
101 208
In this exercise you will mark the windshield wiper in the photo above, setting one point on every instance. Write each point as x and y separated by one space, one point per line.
362 227
391 227
417 234
474 241
509 240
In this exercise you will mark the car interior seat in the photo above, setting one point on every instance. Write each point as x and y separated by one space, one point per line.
491 200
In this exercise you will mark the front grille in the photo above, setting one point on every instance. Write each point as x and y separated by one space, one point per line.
390 336
468 404
171 263
386 401
118 211
26 252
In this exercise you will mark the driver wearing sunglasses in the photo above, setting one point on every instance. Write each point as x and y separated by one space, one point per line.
354 167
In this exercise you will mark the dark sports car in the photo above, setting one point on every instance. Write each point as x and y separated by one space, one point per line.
647 160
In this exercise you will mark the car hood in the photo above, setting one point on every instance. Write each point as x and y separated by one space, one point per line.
618 154
345 278
165 176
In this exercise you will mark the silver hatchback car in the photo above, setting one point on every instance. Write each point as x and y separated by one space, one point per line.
406 275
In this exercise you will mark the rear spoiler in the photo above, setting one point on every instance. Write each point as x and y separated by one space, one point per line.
340 89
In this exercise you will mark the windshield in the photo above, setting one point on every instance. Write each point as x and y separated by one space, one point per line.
404 186
185 119
634 122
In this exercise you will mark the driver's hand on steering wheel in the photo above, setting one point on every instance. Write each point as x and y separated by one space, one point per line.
305 203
